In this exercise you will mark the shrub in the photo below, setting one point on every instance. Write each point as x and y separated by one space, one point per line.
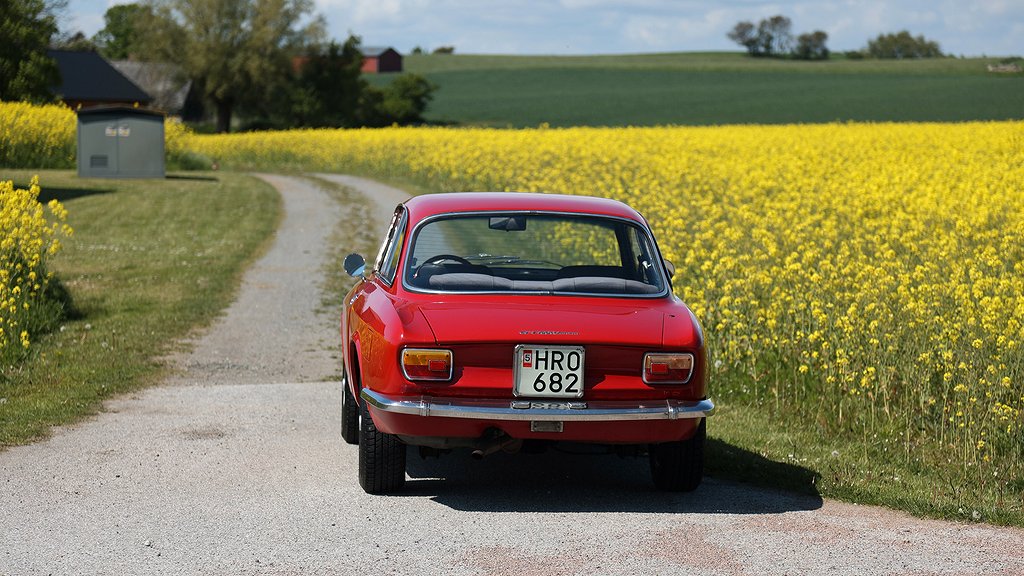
31 301
902 45
402 102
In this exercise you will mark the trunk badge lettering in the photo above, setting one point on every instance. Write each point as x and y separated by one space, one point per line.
547 405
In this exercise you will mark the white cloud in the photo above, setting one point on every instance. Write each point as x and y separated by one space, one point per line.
366 11
700 31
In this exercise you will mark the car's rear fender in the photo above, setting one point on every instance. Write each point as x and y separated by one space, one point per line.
380 325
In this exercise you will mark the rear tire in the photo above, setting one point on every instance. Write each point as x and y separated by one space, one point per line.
679 466
381 457
349 415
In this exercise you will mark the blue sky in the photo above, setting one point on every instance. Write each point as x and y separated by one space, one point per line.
962 27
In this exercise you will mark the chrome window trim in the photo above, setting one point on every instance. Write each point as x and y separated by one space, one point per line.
386 242
642 225
386 255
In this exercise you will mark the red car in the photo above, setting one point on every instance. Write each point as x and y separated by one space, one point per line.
491 321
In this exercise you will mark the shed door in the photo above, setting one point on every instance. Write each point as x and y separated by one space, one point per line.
100 150
141 147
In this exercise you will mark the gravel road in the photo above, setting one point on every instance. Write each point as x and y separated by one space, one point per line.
235 466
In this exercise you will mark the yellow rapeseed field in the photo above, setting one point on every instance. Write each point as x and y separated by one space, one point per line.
36 136
868 276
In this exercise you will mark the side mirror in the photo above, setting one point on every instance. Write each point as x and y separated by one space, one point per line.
670 268
355 266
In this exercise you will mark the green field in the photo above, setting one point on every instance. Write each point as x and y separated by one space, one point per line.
709 89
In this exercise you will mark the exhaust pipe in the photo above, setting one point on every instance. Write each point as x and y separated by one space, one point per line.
495 445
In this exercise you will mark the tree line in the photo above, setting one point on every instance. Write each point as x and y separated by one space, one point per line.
773 37
268 61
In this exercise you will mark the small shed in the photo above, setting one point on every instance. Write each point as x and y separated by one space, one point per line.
120 142
381 59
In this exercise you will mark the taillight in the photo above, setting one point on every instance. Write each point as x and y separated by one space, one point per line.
662 368
427 364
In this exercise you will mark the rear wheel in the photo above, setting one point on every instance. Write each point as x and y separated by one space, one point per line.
679 466
381 457
349 415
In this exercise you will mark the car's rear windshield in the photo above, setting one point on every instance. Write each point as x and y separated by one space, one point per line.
533 253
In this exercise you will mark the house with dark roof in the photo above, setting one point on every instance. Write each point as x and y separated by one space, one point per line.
88 80
381 59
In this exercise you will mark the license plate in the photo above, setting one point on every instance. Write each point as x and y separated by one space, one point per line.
548 371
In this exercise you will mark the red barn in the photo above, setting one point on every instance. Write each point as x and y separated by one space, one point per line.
376 59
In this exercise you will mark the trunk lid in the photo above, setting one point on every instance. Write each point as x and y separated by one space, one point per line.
546 321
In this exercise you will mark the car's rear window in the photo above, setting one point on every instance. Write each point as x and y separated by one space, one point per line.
533 253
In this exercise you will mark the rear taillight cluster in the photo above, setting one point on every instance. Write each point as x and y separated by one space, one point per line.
427 364
668 368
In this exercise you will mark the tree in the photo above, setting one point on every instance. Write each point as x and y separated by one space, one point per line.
405 100
902 45
771 37
401 102
327 90
237 51
327 87
77 42
117 40
812 46
745 34
26 72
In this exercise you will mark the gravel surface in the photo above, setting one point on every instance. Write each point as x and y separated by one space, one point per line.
236 466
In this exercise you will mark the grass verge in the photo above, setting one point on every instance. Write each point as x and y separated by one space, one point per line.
752 445
150 261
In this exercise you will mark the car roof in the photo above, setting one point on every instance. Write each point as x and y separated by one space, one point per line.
427 205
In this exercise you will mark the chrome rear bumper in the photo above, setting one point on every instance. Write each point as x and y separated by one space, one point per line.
539 409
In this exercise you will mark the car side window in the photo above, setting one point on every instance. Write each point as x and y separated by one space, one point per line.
387 259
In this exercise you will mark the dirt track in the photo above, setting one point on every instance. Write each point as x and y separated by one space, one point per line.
236 466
